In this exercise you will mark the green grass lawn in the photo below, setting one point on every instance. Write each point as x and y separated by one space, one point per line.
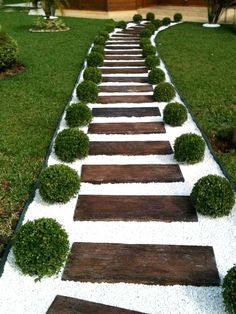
31 103
202 64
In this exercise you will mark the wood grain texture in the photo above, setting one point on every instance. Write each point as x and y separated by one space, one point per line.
125 88
133 52
67 305
134 208
126 112
123 64
101 174
120 57
135 79
126 70
122 47
142 264
137 99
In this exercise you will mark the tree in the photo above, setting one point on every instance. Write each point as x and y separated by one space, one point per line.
216 8
50 6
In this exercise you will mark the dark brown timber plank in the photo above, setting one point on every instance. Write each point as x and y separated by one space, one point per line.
123 52
142 264
121 42
123 64
125 99
134 148
134 208
126 128
126 112
125 36
125 88
125 70
120 57
67 305
125 47
124 79
99 174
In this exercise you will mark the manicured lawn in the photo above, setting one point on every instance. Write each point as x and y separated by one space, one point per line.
32 103
202 64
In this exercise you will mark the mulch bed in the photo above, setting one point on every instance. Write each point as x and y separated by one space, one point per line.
13 71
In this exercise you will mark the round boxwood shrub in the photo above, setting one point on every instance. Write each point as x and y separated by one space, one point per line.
174 114
229 289
157 23
99 49
41 247
104 34
145 33
144 41
100 40
121 24
178 17
148 50
189 148
71 144
78 115
92 74
164 92
150 16
95 59
8 51
156 76
87 91
213 196
137 18
58 183
166 21
152 62
110 28
151 27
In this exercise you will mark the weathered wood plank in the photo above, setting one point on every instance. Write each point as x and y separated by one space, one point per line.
126 70
102 174
125 99
142 264
123 64
134 208
125 88
126 112
123 42
133 52
126 128
67 305
116 47
120 57
124 79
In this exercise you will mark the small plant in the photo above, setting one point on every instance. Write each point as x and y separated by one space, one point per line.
42 24
110 28
99 49
157 23
166 21
213 196
71 144
87 92
104 34
78 115
174 114
156 76
92 74
164 92
178 17
189 148
146 33
121 24
148 50
152 62
58 183
151 27
95 59
8 51
41 247
150 16
144 41
137 18
100 40
229 288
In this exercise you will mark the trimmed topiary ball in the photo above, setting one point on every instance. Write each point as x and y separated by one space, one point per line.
229 290
95 59
178 17
110 28
157 23
164 92
213 196
144 41
41 247
145 33
174 114
151 27
78 115
99 49
92 74
104 34
137 18
148 50
166 21
156 76
71 144
100 40
87 92
8 51
58 183
121 24
152 62
150 16
189 148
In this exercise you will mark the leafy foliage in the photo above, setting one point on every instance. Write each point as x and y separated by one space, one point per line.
156 76
87 92
95 59
121 24
229 290
58 183
110 28
150 16
151 27
71 144
41 247
144 41
137 18
146 33
8 51
148 50
49 25
164 92
216 8
100 40
152 62
174 114
78 115
157 23
213 196
98 48
104 34
92 74
189 148
178 17
166 21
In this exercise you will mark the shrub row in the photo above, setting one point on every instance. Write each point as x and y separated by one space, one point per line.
150 16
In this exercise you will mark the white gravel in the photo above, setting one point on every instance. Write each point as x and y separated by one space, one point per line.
21 295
